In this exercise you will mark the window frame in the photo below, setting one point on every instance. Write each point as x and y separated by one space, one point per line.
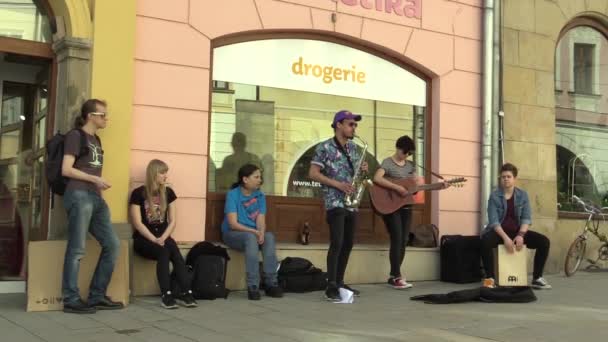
352 42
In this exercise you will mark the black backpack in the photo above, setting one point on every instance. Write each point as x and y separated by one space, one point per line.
300 275
54 160
209 264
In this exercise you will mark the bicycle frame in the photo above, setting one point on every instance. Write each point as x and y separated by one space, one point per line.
596 216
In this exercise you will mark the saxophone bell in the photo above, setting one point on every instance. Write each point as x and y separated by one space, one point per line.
360 180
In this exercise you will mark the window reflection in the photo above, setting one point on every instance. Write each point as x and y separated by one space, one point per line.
278 129
24 19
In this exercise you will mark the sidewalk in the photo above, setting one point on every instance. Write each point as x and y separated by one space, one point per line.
575 310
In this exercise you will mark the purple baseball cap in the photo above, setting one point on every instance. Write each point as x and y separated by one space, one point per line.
345 115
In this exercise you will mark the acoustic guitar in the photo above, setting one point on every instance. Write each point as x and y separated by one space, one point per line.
387 201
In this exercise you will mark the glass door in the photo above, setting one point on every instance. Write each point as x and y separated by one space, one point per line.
22 138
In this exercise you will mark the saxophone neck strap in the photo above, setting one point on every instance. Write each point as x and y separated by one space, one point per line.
344 152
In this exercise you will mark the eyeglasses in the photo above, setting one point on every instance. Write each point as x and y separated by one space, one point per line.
353 124
103 115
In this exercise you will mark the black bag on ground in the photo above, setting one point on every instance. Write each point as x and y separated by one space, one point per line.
483 294
209 264
424 235
460 259
300 275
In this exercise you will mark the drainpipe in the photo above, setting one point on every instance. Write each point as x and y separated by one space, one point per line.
487 119
497 99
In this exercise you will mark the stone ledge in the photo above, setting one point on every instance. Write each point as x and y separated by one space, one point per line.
368 264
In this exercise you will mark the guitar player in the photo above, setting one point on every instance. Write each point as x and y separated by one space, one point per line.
398 223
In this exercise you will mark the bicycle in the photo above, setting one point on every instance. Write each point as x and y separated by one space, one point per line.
576 252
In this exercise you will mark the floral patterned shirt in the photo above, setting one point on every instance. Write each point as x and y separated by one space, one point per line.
334 164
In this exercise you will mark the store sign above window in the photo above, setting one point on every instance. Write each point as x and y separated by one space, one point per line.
319 67
402 8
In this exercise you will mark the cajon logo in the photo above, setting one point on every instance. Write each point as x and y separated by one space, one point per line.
512 279
51 300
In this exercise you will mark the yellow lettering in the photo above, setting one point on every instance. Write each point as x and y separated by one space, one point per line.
338 74
316 71
346 72
306 67
361 77
296 67
327 75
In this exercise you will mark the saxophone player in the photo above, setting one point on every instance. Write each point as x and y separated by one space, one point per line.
333 165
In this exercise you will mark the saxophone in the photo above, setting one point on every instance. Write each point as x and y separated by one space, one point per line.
360 181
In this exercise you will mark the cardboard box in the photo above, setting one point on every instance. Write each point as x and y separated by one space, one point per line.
45 270
511 269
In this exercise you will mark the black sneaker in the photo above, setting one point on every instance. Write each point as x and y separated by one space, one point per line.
274 292
356 293
253 293
332 294
106 304
187 300
79 307
167 301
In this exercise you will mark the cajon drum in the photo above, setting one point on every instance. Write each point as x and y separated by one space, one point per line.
511 269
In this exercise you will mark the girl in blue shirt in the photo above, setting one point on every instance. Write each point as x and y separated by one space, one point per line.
244 229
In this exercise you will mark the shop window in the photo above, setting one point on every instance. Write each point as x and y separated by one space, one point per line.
581 128
284 97
24 19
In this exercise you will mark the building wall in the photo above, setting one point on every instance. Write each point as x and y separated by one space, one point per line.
172 74
530 33
112 80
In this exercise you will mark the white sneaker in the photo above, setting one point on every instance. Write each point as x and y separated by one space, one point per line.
541 284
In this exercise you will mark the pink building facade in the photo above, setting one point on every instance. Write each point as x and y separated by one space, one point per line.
175 107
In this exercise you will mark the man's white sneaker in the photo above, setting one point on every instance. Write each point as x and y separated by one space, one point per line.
541 284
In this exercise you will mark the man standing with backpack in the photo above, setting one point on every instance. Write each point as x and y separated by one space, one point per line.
87 211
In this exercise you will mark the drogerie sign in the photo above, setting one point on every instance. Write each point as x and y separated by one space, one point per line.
402 8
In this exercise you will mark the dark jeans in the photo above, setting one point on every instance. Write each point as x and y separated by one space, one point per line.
163 255
398 226
532 240
342 224
88 212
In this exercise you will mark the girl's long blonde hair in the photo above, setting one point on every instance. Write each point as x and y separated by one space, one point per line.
156 167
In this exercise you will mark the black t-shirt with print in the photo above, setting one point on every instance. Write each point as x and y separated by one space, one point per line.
150 215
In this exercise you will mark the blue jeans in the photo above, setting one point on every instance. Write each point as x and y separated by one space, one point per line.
88 212
248 243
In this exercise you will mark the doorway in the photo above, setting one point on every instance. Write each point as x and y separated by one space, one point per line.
24 109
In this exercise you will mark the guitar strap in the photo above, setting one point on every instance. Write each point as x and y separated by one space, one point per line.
350 162
431 172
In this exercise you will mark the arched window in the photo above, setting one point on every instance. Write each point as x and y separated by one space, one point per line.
274 99
24 19
581 100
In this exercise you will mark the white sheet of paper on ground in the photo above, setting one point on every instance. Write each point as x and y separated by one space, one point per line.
347 296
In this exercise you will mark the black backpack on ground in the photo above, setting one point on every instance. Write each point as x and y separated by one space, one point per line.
54 160
300 275
209 265
460 259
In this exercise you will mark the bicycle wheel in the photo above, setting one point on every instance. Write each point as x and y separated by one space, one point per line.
576 254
